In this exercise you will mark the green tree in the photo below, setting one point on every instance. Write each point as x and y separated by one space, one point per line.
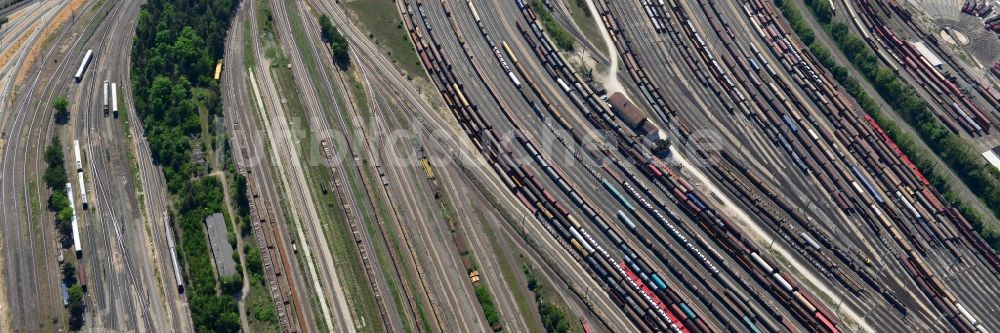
326 28
58 201
69 272
76 306
554 319
661 147
822 10
215 314
54 153
62 108
64 222
55 178
231 285
265 314
174 51
559 35
254 263
338 44
65 215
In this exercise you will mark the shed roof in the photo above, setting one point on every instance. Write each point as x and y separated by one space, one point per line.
222 252
627 111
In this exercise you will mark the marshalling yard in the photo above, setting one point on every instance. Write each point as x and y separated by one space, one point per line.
510 165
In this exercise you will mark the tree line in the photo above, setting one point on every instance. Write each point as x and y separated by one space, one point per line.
338 44
562 38
554 318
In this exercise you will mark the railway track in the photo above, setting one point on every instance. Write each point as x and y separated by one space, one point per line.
21 130
869 131
277 270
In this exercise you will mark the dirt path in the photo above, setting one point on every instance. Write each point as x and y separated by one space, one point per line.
610 79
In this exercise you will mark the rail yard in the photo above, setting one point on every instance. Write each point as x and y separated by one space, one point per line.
514 165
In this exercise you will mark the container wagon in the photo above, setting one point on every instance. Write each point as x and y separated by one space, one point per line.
218 70
81 275
76 152
83 65
83 190
114 100
73 223
105 98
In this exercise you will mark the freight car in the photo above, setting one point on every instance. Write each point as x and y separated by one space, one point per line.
83 65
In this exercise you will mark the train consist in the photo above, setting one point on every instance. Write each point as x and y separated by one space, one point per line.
79 173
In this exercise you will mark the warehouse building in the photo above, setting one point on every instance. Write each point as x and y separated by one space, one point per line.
635 118
222 252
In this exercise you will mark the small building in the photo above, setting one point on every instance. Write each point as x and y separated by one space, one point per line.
928 54
222 251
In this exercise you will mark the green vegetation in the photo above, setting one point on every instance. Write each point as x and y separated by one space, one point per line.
337 42
76 306
55 176
2 21
232 284
562 38
239 197
318 175
486 301
381 19
661 147
55 179
68 272
553 317
62 109
174 54
75 291
956 152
